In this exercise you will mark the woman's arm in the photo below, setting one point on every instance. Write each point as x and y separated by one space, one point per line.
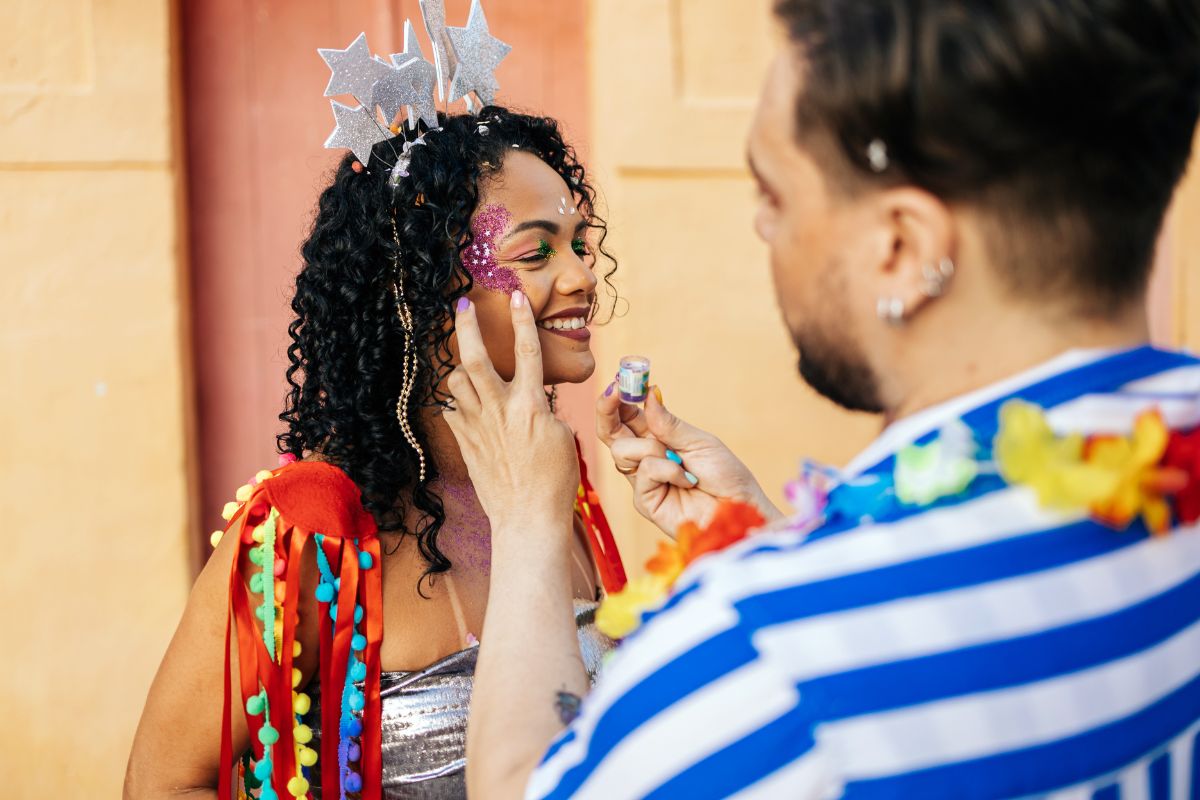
176 751
523 466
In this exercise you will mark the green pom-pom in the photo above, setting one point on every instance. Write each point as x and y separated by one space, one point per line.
255 705
268 735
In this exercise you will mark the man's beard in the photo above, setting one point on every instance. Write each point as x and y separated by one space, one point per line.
837 371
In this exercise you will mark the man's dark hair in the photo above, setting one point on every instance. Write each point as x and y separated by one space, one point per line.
1068 122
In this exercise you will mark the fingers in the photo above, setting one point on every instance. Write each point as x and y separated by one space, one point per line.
629 452
615 419
654 472
527 347
472 354
459 386
668 428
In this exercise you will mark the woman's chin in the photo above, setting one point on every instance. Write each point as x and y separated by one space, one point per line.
576 368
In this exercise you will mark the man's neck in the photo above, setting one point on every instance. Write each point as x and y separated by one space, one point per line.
1002 344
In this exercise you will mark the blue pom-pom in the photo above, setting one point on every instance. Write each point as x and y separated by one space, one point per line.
359 642
333 612
365 561
357 701
358 614
353 782
325 593
352 727
268 793
262 770
337 584
358 671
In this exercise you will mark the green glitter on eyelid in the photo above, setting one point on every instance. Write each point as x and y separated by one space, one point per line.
579 246
545 250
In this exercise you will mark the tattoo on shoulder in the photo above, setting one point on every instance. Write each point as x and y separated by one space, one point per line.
567 704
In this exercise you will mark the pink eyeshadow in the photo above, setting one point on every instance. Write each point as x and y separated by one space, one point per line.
480 258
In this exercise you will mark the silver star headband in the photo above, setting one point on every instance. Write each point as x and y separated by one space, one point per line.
402 89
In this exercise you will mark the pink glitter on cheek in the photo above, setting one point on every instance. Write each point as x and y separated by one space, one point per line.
480 258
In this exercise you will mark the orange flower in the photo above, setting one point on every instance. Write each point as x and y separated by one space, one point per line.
1133 461
667 563
621 613
731 523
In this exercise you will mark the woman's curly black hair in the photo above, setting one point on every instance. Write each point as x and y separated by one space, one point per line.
347 343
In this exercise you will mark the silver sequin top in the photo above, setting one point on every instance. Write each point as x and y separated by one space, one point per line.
425 718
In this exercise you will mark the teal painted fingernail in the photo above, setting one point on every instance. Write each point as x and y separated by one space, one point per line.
673 456
692 479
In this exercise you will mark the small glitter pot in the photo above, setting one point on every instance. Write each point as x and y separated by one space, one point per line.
633 379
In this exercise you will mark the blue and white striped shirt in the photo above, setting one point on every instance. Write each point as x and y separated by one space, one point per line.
979 647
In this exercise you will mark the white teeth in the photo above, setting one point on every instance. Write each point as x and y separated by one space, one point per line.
562 324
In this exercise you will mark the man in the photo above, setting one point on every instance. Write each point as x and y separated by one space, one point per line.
961 200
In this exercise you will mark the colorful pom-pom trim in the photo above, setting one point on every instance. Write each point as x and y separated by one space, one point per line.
273 523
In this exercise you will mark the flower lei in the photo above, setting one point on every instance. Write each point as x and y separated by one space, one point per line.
621 612
1152 473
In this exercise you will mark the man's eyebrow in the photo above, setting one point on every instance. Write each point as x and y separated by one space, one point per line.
544 224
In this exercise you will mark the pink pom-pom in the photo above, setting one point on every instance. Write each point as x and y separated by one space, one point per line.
286 458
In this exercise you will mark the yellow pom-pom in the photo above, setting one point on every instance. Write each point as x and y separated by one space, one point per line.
296 677
296 649
297 786
230 509
262 475
308 756
258 534
243 493
215 538
278 626
301 703
303 734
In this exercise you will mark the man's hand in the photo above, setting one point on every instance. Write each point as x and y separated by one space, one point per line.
678 472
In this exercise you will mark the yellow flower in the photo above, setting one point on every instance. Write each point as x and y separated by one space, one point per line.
1133 463
620 614
1029 453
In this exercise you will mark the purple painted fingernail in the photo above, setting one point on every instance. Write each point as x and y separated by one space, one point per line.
463 304
608 392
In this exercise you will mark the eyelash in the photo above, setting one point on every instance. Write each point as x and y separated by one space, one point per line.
545 252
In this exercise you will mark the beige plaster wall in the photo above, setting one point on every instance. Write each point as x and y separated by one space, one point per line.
93 472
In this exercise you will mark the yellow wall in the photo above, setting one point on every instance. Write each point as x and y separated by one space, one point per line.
673 87
93 477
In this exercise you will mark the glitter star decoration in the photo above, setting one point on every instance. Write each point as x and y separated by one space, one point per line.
356 129
420 77
354 70
434 14
478 53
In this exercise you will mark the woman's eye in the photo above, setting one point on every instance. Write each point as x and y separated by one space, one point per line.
579 246
543 253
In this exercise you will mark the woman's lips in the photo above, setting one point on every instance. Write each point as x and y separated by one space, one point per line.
578 334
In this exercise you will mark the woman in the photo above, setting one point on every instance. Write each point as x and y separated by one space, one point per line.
491 208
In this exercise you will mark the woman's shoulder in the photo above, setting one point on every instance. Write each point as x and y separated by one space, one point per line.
313 495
